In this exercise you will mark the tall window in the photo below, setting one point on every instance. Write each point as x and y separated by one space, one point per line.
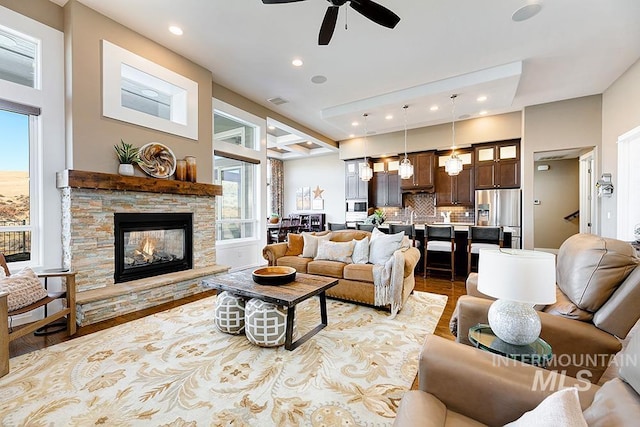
15 200
236 169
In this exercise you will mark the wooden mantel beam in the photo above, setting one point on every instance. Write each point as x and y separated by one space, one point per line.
105 181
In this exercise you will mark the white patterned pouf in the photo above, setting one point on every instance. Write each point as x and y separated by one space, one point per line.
229 313
265 323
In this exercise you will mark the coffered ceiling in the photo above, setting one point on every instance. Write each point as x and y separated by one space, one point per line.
473 48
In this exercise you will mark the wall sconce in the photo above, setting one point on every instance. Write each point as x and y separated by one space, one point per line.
604 185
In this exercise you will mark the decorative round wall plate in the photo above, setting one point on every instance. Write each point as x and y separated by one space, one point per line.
157 160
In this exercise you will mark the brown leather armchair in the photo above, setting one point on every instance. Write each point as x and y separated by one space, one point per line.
598 295
463 386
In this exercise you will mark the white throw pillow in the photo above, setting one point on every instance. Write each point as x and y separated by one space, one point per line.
24 288
562 408
361 251
383 245
310 248
335 251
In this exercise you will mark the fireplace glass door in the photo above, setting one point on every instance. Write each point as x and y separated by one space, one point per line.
151 244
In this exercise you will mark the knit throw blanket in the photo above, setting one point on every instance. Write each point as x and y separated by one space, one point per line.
388 280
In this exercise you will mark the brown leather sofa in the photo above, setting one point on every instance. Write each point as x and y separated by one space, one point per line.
464 386
598 300
355 281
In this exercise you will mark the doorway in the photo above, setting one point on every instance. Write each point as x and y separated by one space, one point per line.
563 196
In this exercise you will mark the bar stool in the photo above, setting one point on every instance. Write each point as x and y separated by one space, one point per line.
442 239
333 226
365 227
482 238
408 229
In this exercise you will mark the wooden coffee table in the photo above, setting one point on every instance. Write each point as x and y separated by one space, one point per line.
304 287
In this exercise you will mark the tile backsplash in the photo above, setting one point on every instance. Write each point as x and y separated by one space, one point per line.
426 211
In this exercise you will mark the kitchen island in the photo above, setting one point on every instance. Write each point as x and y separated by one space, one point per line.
461 229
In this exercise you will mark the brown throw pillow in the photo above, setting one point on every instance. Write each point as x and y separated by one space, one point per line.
295 243
24 288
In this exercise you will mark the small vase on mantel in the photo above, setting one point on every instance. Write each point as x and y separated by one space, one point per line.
125 169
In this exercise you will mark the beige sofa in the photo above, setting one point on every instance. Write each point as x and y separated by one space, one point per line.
355 281
460 385
598 295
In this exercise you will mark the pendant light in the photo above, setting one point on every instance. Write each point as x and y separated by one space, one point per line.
406 168
366 173
453 165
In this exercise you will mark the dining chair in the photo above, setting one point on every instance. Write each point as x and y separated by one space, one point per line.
482 237
440 239
408 229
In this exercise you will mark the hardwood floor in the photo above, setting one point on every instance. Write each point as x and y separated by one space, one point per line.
31 343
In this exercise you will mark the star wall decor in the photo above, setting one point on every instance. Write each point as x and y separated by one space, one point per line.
317 193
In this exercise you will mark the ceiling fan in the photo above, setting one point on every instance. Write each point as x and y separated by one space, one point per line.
368 8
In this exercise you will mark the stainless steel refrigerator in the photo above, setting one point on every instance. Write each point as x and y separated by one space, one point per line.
501 208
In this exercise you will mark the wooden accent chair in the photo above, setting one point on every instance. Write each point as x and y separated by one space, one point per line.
69 310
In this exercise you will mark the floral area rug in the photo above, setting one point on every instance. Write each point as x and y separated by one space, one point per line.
175 368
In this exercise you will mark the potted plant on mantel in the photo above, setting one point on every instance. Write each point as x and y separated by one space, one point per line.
128 155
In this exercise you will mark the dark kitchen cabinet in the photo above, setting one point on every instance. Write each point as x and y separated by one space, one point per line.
423 172
458 189
385 187
355 188
497 165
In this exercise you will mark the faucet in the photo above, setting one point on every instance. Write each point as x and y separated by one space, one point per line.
412 216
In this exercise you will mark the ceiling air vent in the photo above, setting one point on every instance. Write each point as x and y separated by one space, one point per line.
277 100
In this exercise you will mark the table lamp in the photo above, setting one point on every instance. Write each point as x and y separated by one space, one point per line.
519 279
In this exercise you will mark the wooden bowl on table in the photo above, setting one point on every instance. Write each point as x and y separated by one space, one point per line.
274 275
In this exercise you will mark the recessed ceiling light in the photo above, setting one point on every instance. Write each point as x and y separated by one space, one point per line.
354 123
309 143
434 108
175 30
526 12
318 79
351 135
481 98
388 117
483 113
297 62
272 127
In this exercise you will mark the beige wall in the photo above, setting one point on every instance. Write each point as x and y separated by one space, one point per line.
43 11
223 94
574 123
473 131
620 114
90 136
557 189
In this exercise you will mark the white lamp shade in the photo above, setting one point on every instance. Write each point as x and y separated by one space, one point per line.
366 173
517 275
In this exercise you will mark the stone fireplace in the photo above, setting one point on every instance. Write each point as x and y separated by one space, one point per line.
91 202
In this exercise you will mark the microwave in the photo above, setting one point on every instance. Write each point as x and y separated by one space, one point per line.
356 206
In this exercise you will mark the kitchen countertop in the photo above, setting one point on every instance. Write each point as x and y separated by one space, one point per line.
457 226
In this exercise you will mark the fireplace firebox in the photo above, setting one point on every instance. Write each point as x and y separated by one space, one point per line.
150 244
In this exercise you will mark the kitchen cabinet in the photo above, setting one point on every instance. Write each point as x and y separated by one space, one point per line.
386 184
355 188
497 165
423 172
458 189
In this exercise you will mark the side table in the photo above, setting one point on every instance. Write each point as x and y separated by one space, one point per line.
538 353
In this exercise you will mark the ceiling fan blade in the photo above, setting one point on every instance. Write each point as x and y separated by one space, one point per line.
328 25
375 12
279 1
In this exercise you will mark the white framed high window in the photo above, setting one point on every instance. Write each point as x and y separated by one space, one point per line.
32 114
628 196
238 167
